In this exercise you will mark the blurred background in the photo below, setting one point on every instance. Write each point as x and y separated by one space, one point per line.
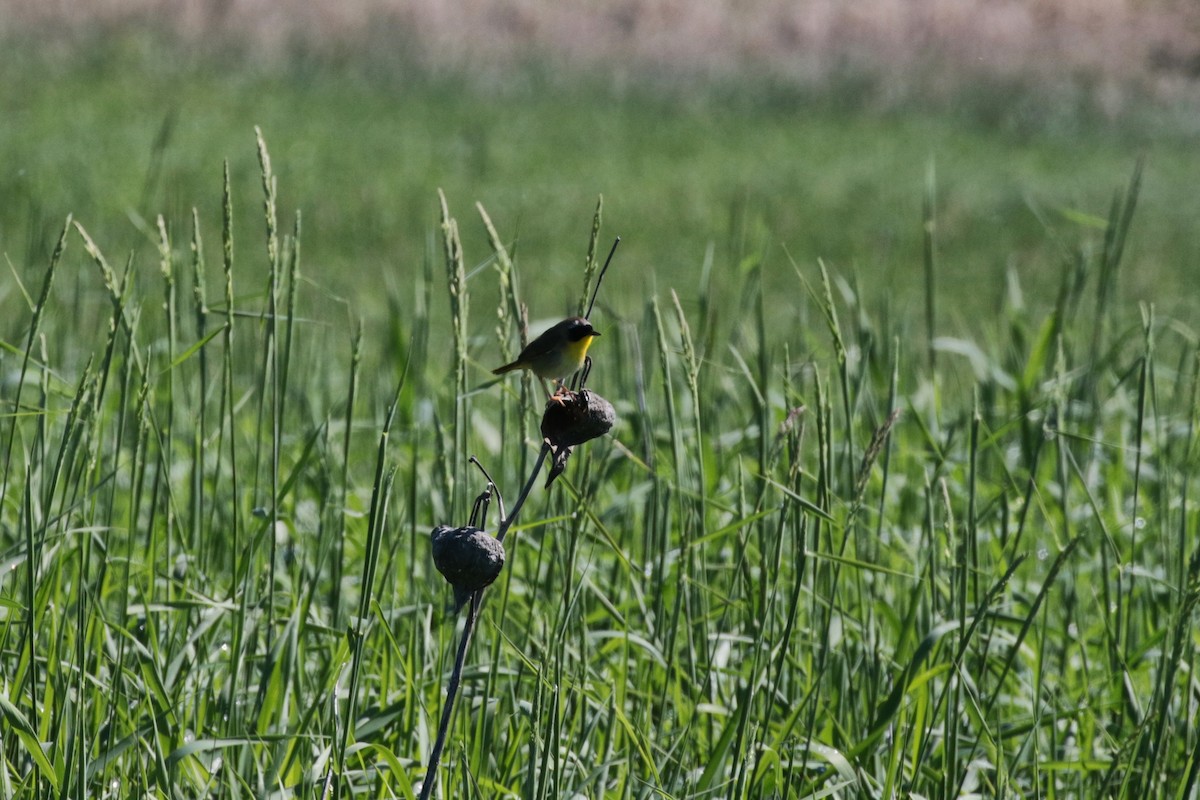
718 133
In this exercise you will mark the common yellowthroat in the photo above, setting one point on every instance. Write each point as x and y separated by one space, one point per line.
556 354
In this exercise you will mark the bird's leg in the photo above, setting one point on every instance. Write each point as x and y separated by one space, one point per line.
554 396
560 391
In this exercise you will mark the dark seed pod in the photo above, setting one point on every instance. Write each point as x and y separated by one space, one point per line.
573 418
468 559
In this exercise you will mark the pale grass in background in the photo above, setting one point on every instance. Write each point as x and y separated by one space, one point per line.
1113 48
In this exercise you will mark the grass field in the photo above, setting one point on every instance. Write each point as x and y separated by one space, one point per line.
826 552
130 132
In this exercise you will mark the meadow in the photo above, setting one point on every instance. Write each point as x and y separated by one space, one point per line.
899 502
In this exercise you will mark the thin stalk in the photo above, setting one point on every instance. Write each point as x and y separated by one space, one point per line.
339 564
39 309
435 755
456 282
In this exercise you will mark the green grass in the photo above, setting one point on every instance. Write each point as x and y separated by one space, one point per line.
216 495
128 131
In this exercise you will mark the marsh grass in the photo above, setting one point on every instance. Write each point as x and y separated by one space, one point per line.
699 174
812 560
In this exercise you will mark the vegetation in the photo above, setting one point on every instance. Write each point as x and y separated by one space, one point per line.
125 132
835 546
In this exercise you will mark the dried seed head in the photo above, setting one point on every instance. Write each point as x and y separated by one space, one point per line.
573 418
468 559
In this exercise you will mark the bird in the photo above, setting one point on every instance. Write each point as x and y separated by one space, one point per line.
558 353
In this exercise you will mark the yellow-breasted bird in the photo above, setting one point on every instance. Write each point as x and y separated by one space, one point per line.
558 353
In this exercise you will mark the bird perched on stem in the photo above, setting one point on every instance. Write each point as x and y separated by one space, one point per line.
558 353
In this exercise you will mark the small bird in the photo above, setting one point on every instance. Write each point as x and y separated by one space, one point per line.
558 353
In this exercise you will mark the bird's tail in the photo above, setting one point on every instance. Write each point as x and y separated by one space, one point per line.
507 368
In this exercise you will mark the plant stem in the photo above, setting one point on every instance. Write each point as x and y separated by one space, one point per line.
439 744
